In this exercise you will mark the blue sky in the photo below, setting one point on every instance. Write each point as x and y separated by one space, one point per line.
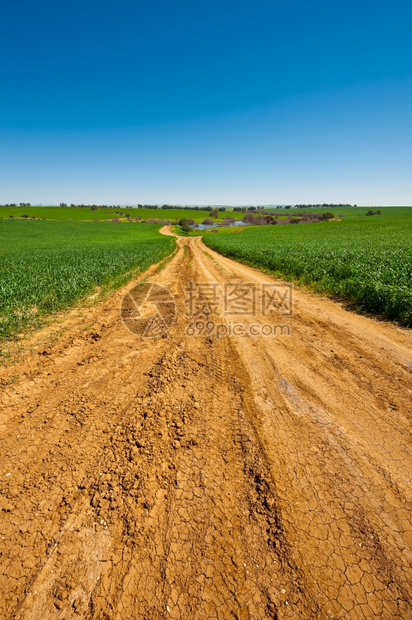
206 102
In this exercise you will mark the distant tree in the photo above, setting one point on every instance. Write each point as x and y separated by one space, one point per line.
370 212
63 204
249 218
93 207
214 213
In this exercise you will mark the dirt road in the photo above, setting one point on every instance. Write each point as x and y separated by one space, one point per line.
199 475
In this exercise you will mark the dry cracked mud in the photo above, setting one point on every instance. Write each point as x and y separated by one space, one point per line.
198 477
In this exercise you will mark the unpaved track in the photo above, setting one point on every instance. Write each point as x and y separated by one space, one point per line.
196 477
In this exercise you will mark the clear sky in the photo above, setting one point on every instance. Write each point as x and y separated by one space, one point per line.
206 102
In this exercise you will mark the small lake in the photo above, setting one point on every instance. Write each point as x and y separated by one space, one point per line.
220 225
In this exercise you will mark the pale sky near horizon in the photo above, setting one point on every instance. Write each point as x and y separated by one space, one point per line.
206 103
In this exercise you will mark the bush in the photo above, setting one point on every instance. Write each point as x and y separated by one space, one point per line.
370 212
249 218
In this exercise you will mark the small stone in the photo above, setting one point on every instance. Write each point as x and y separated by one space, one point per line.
269 501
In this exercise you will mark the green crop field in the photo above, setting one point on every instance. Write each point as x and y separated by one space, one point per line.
364 260
46 266
86 213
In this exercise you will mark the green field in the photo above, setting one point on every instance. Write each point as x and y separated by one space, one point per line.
46 266
364 260
84 214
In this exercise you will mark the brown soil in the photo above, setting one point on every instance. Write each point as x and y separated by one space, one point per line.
204 477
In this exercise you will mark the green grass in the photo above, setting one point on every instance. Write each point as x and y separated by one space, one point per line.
192 233
364 260
82 214
47 266
349 211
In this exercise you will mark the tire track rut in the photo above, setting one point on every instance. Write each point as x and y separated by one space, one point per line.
204 477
